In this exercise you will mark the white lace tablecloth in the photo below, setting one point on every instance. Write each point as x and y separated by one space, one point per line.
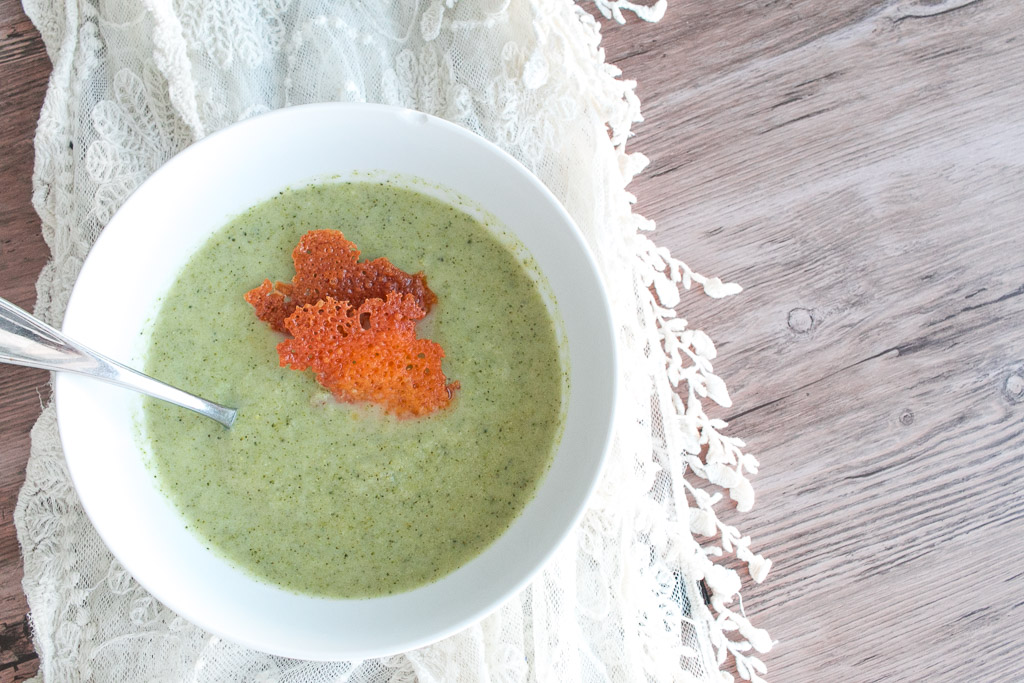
135 82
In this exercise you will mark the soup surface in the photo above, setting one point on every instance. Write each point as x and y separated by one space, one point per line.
337 499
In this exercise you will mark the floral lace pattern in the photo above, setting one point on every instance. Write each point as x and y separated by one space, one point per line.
133 83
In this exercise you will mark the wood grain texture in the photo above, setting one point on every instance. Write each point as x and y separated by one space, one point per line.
24 70
859 168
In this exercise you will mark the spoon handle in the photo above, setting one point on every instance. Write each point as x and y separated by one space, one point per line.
26 340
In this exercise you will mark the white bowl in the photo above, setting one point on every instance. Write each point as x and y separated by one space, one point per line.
139 255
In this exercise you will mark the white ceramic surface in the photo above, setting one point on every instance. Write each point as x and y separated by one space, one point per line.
139 255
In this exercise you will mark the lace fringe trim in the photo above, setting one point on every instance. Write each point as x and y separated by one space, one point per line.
713 459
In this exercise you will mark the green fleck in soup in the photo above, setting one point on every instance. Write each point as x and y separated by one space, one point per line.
342 500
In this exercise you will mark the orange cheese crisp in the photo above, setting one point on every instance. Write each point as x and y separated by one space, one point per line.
369 353
326 265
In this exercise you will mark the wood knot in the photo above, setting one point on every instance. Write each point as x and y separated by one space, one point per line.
1013 388
800 320
907 417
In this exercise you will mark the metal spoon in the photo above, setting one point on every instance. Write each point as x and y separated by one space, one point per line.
26 340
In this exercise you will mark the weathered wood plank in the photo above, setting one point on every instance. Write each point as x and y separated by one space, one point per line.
18 660
865 185
698 42
24 69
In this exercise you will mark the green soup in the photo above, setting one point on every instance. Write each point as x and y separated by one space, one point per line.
336 499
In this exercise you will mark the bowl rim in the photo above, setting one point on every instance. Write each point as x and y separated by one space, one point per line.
603 423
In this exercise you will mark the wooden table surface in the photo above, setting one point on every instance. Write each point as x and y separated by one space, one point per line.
859 168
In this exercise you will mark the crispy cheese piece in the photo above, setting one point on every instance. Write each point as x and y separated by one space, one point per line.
327 265
369 353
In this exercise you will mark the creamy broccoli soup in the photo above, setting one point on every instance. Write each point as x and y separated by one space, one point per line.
340 499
